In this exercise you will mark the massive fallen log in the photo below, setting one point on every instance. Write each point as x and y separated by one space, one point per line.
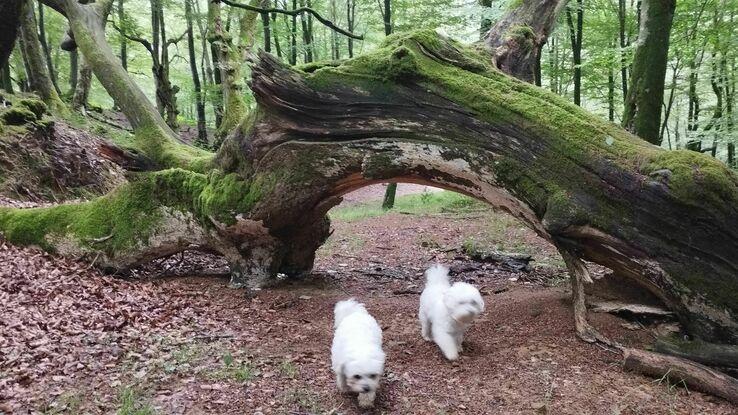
425 109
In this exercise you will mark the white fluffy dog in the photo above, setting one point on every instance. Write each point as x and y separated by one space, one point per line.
446 310
356 355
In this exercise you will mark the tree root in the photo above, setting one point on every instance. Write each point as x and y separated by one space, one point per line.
678 370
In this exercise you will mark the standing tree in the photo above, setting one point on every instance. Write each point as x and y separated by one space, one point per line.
576 46
388 202
642 115
202 134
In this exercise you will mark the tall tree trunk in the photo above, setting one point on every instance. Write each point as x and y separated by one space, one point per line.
293 36
623 44
123 40
307 36
576 46
82 86
267 32
387 17
9 24
38 73
486 22
6 81
73 70
643 103
202 133
45 47
388 202
277 46
350 24
610 91
516 39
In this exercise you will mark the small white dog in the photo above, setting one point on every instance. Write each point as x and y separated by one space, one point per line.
446 310
356 355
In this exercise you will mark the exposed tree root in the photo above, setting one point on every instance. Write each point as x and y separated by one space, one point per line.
677 370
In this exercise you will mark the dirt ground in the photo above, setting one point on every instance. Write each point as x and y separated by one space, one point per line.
176 340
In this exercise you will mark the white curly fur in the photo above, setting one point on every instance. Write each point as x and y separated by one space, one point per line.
356 355
446 310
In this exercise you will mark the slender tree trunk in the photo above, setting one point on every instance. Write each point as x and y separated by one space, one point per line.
293 36
486 22
217 93
670 101
277 46
10 10
307 36
387 17
123 40
313 49
267 32
6 81
351 24
576 47
202 134
645 97
623 44
391 192
45 47
73 70
610 91
694 100
82 86
37 69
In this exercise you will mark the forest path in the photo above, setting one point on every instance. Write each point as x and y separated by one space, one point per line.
74 341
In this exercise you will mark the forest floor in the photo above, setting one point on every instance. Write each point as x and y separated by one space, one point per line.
175 339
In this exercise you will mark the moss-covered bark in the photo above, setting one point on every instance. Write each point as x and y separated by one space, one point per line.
152 135
645 97
425 109
38 72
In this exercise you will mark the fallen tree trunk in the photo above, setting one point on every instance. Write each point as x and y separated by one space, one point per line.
425 109
676 370
720 355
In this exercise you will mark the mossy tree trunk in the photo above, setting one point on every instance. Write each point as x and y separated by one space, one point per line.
152 135
424 109
38 72
82 85
11 12
642 115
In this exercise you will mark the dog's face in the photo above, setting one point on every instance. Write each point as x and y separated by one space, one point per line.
463 301
363 376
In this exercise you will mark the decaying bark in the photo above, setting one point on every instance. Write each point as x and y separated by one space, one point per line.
681 372
719 355
406 113
516 40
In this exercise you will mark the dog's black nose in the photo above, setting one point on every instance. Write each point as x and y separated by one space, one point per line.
367 388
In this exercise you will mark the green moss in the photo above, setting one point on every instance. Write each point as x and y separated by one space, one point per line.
524 36
17 116
131 214
696 177
34 105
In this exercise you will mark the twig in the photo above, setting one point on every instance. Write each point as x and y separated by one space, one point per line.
295 12
98 240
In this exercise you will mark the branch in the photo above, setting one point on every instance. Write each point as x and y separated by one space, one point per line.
140 40
295 12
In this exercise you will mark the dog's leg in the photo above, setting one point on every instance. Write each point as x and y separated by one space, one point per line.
425 326
341 380
366 400
447 344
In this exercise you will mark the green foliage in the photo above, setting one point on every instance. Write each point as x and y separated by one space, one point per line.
131 402
416 204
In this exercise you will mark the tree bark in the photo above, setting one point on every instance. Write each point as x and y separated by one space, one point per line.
307 36
202 134
623 44
6 81
73 70
82 87
642 115
351 24
123 40
388 201
9 24
434 112
38 73
516 40
576 46
678 371
45 47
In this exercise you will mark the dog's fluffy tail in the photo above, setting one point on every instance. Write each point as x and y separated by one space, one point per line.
437 274
345 308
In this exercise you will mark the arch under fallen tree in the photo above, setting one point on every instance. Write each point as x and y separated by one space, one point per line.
425 108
